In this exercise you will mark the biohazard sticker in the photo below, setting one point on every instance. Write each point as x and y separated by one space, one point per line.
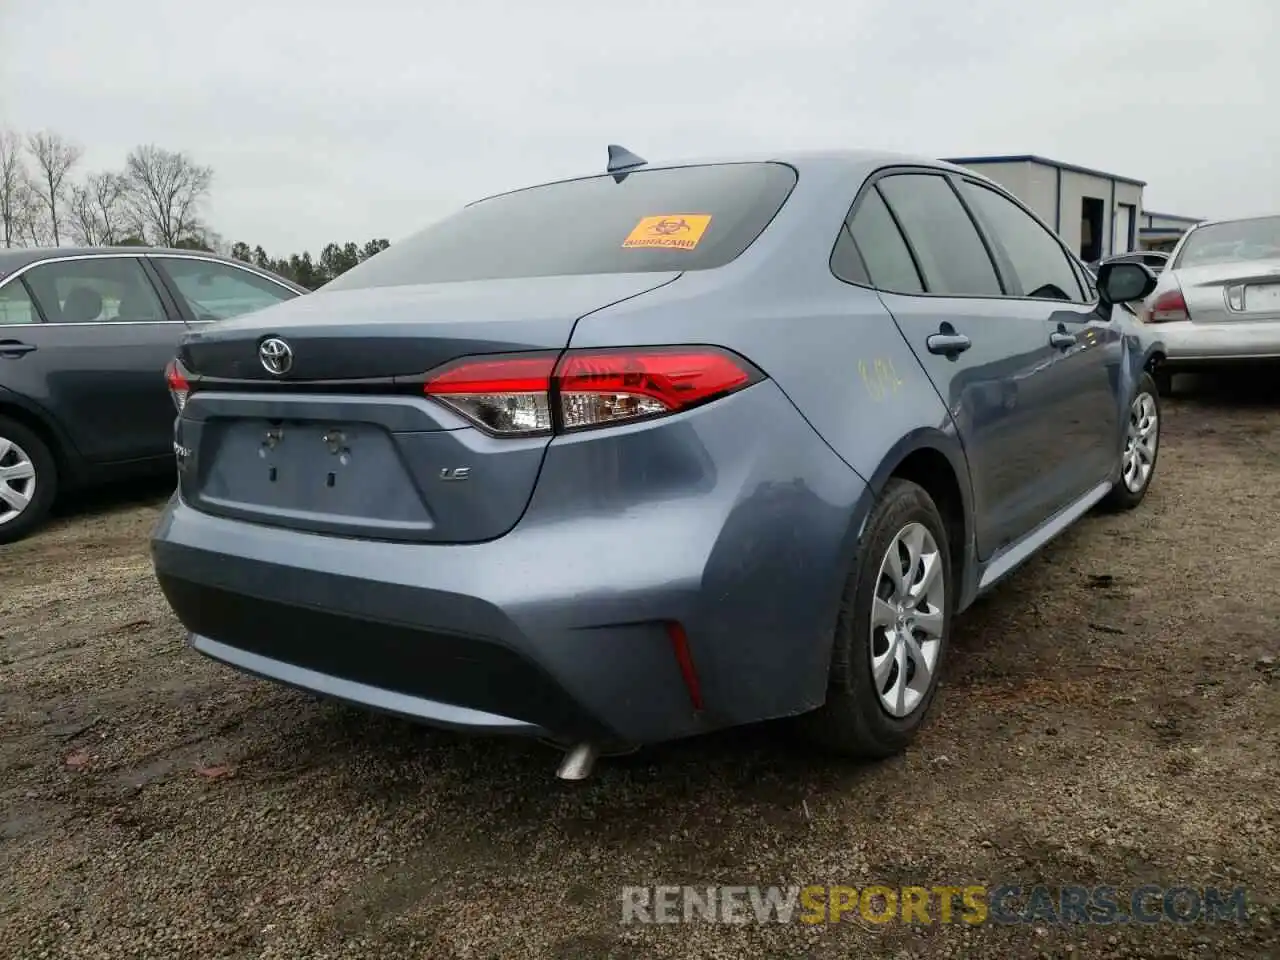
673 231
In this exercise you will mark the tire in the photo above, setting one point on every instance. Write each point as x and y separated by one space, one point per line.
855 721
1163 380
1126 495
20 445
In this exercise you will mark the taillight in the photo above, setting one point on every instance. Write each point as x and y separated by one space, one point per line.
529 395
507 395
1170 305
599 388
179 389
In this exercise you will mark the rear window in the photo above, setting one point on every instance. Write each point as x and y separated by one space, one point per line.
679 218
1230 242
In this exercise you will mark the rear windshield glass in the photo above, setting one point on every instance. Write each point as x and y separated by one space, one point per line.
680 218
1230 242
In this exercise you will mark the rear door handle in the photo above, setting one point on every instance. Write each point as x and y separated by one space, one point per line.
12 349
1062 340
948 344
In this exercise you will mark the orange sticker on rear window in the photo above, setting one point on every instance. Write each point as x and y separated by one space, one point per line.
675 231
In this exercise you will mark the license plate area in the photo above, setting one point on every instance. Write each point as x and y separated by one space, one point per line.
329 473
1262 298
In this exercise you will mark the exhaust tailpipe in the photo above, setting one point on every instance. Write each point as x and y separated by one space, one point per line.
578 762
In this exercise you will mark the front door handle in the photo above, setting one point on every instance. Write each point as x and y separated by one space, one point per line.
948 344
1062 340
12 349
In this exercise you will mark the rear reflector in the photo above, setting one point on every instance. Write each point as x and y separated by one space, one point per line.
179 389
1169 306
684 660
529 395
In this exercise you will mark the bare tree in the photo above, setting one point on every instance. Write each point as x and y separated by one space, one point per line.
31 225
96 210
109 190
34 224
54 158
165 191
13 182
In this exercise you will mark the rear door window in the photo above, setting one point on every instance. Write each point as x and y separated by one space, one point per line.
846 262
95 290
947 245
878 239
678 218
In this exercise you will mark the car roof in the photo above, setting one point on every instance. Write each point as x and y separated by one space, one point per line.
15 258
20 256
804 158
1249 219
829 162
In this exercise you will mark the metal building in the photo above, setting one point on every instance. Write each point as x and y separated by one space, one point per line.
1161 231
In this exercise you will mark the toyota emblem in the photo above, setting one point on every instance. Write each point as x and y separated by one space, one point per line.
276 356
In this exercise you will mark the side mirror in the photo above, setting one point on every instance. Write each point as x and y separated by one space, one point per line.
1124 282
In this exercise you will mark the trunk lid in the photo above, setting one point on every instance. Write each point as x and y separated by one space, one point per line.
405 330
1235 292
340 444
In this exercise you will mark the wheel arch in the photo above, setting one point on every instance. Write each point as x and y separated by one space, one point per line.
35 419
1149 351
935 460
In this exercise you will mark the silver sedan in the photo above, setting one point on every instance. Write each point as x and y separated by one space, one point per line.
1219 298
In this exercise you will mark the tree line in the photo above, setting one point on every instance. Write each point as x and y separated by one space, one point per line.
311 273
156 199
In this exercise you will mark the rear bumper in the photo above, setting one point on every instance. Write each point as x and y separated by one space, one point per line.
415 671
559 628
1186 341
383 698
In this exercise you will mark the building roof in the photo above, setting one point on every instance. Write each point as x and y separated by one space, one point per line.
1046 162
1172 216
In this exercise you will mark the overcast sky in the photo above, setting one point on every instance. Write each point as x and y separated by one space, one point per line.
351 119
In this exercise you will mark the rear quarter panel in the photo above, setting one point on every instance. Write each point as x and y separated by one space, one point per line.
831 348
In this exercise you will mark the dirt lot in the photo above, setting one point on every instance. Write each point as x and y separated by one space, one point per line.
1112 716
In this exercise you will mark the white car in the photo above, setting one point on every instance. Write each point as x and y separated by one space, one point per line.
1218 301
1154 259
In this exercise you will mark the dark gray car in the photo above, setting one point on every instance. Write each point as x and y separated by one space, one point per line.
84 338
656 451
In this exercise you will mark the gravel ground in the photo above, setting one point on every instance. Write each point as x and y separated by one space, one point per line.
1110 717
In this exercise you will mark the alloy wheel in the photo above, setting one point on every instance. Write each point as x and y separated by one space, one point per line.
907 617
17 480
1140 442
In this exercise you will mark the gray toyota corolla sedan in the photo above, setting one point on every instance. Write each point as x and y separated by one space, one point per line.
639 455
